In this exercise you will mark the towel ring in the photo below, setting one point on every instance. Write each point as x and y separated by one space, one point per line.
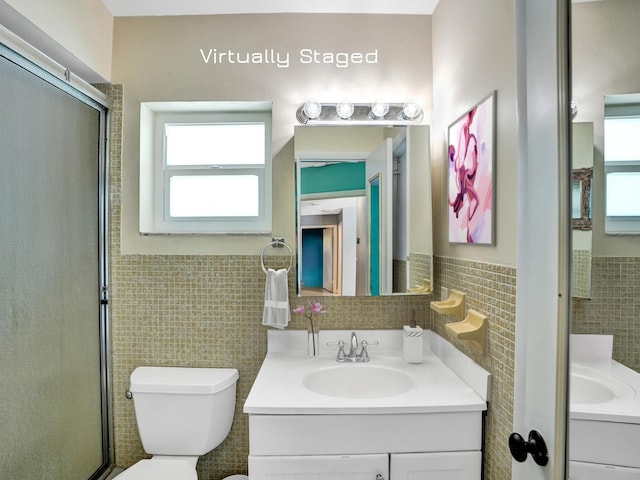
276 243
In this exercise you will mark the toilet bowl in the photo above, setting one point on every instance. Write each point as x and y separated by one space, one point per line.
182 414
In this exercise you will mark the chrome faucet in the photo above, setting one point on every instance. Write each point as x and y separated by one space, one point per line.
353 348
353 355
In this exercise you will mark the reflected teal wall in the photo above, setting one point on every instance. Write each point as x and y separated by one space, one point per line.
337 177
312 257
374 235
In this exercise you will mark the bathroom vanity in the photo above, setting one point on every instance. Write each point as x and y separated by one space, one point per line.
604 412
384 419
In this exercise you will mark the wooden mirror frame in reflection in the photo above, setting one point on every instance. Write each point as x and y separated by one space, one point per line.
334 213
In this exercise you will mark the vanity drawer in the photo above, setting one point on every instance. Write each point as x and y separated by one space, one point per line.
362 434
327 467
410 466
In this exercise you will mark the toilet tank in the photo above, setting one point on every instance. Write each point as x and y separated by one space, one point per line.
183 411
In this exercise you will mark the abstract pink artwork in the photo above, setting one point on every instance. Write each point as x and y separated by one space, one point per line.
470 157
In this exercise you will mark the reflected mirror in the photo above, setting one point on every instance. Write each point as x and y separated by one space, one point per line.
582 164
606 325
363 210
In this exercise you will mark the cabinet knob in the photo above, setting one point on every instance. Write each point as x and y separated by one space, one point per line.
379 477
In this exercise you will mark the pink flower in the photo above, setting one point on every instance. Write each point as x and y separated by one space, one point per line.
316 307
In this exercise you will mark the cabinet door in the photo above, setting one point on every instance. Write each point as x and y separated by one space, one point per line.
320 467
436 466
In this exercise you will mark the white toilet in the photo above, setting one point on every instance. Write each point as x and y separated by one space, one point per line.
182 413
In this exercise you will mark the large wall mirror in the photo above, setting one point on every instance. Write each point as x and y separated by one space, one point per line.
605 86
363 208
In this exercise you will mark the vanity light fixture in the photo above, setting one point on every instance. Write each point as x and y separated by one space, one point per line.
347 113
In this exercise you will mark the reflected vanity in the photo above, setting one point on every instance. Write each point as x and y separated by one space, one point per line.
605 72
363 210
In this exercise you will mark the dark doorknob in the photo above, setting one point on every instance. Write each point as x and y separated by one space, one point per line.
535 446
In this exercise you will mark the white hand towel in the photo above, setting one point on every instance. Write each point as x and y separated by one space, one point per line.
276 299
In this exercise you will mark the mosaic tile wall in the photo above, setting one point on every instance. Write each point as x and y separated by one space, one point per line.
490 289
206 311
581 273
419 269
614 306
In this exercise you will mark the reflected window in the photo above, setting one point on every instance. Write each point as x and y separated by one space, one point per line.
622 173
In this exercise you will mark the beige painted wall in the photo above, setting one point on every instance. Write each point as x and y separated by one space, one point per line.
473 55
159 59
76 33
605 62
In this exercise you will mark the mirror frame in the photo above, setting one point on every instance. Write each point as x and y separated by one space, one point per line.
583 176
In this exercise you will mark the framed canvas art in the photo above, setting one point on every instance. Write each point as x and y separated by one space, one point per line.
470 158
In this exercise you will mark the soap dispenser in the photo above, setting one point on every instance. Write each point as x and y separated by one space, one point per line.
412 342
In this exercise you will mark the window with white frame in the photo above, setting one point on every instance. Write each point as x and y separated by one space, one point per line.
622 174
205 167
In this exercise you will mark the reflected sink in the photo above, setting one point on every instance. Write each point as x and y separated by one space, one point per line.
590 387
588 390
358 381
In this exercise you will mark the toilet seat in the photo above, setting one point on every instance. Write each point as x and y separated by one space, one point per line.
151 469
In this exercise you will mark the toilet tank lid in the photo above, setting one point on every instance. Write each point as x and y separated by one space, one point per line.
182 380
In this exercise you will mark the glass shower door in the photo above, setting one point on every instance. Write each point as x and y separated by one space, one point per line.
52 400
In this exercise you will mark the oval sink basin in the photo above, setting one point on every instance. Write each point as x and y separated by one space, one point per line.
587 390
591 387
358 381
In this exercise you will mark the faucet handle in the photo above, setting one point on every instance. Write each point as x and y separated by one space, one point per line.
364 355
341 355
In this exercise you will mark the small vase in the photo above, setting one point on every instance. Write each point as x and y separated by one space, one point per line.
313 340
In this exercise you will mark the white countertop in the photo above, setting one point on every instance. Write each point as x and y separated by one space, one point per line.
591 358
279 390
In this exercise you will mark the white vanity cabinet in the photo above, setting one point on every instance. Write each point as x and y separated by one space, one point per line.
432 430
403 466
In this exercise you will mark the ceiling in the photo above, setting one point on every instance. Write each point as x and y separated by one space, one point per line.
126 8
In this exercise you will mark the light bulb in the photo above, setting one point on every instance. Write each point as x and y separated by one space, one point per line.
344 110
379 109
411 110
312 109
